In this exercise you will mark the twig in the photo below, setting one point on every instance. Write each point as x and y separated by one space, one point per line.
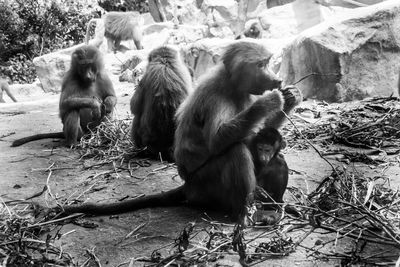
305 138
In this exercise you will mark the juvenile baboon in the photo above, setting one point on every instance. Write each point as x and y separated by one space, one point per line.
270 167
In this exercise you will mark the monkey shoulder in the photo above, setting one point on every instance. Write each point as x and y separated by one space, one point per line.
279 160
105 86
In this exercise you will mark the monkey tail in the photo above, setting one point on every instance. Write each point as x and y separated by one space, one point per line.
172 197
35 137
88 30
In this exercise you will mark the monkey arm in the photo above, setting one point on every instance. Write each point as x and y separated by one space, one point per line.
108 96
244 124
76 103
80 102
293 97
109 103
137 100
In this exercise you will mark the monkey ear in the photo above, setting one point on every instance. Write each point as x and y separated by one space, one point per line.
216 58
283 144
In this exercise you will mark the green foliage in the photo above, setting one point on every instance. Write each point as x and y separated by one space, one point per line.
20 68
31 28
126 5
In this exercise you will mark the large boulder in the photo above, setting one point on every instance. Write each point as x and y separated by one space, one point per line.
352 57
179 11
204 54
349 4
158 34
224 18
290 19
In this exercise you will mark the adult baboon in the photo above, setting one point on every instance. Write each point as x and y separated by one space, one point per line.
163 87
87 97
117 27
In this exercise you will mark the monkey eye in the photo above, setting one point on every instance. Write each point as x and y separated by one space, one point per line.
262 64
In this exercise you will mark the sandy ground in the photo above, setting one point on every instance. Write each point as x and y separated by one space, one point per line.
25 171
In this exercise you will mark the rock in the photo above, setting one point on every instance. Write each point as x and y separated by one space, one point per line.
204 54
288 20
355 55
26 92
129 73
224 18
349 4
158 34
178 11
274 3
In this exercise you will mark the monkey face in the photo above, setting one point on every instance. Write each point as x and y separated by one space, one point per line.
266 151
264 79
88 73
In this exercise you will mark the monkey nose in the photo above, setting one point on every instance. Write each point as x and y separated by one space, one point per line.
278 83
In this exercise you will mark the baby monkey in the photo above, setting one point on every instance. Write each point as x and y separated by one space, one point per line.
270 167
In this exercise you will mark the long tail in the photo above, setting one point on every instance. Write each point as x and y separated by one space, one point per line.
35 137
174 197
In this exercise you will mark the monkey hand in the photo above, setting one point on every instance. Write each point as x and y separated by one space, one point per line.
270 101
292 96
108 105
96 109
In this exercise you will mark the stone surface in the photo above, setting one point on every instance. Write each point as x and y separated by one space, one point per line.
356 55
349 4
178 11
204 54
289 20
158 34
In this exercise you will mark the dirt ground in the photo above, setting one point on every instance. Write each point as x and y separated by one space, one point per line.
117 239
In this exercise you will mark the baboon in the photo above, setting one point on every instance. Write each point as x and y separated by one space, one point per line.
214 126
163 87
270 167
87 97
117 27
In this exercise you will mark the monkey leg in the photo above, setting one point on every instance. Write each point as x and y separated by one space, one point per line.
72 129
225 182
87 120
